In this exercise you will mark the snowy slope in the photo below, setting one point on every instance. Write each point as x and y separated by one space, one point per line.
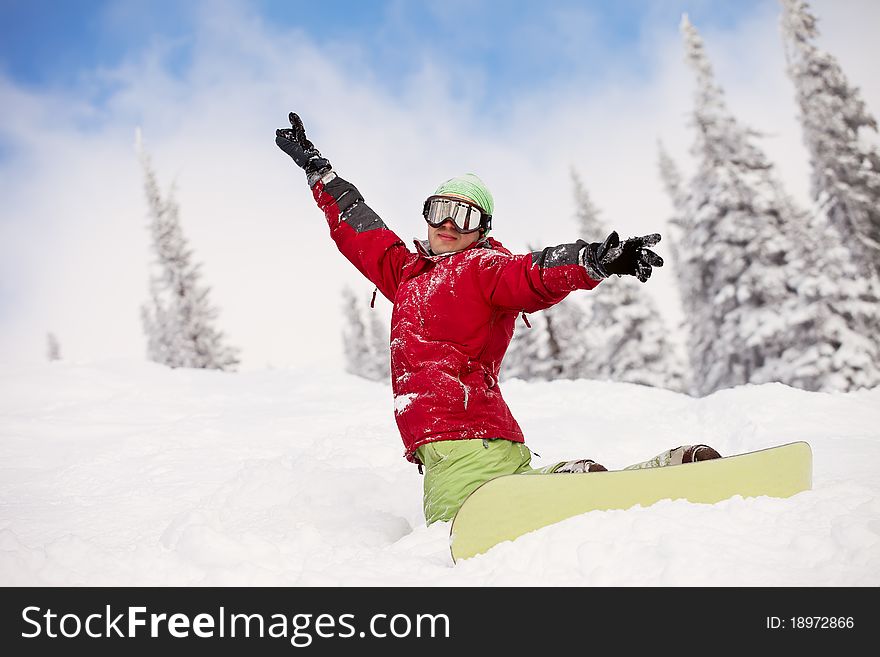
126 473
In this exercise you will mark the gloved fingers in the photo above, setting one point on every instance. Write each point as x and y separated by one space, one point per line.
285 133
285 143
651 258
299 132
648 240
643 272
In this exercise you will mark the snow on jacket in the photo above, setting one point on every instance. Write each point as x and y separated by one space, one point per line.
453 317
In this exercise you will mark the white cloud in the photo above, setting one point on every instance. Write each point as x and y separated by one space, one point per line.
73 240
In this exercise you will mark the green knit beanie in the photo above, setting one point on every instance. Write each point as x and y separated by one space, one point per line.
472 188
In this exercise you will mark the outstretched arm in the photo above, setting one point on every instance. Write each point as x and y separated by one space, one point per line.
544 278
360 234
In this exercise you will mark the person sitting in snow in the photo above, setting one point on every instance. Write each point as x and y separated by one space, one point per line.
455 301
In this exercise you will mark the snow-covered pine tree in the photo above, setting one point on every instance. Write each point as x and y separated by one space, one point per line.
178 319
157 326
735 247
553 348
563 340
756 270
527 356
354 335
837 316
380 346
622 334
673 183
845 178
365 343
53 349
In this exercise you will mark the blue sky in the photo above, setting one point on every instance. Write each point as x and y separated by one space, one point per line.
400 95
509 45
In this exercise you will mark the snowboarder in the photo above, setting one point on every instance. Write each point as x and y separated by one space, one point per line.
455 301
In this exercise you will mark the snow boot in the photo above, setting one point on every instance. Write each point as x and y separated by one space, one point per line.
582 465
677 456
694 453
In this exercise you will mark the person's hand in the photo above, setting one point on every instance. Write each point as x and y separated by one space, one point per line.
629 258
294 142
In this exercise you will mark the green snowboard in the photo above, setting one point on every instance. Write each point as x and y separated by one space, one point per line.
509 506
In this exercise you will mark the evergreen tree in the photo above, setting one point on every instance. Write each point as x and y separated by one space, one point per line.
380 346
834 347
354 335
838 312
551 346
365 343
673 183
845 167
53 349
178 320
735 246
612 333
757 271
564 340
622 335
527 356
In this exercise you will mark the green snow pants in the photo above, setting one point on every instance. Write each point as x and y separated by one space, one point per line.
455 468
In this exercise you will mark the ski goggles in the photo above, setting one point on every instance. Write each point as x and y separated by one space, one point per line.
467 218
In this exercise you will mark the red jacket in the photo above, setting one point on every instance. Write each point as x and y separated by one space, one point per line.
453 317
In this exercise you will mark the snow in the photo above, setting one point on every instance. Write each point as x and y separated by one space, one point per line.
125 473
401 402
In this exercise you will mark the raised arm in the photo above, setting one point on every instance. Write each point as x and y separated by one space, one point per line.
359 233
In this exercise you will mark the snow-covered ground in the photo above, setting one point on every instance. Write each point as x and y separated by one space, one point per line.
126 473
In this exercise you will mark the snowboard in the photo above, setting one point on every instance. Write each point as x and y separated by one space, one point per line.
509 506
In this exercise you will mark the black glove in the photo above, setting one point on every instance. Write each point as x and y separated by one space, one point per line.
631 258
293 141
